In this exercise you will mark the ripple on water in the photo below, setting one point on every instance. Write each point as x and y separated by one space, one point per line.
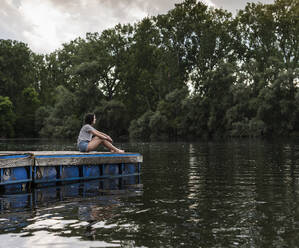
209 194
44 239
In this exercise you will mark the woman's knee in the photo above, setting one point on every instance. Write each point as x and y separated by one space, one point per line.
93 144
96 138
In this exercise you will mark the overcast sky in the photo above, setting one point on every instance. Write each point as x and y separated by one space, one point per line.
46 24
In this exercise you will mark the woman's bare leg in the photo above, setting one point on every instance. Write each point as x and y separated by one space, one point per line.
96 141
111 147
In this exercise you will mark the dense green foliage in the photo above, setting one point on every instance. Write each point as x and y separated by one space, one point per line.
193 72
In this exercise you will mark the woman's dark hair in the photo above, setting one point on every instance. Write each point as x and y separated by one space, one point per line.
89 118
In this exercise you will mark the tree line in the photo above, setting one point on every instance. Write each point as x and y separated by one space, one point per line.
193 72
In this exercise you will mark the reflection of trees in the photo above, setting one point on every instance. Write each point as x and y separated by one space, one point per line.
243 192
221 193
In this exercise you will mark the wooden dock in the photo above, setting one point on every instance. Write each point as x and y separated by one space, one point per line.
20 167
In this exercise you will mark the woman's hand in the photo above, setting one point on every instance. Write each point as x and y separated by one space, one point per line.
109 138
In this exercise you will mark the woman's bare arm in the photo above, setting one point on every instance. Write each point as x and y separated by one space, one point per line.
101 135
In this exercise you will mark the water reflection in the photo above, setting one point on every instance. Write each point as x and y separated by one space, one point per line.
243 194
211 194
44 195
50 214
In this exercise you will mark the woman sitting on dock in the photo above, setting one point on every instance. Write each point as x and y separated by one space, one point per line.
89 138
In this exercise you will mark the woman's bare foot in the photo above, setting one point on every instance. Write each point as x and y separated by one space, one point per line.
117 151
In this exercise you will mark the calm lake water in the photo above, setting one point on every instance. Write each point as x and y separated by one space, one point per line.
241 193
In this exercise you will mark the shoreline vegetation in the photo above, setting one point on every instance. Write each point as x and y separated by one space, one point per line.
195 72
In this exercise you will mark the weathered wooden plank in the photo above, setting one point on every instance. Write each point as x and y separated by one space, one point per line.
64 153
50 158
84 159
16 160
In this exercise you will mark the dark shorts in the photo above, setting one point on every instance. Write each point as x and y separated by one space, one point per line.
83 146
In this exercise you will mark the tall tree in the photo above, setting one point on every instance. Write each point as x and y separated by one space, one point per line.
141 91
7 117
16 69
26 114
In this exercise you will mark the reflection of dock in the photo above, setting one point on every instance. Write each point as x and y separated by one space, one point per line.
104 189
57 166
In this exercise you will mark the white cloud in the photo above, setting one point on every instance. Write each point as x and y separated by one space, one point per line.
11 21
52 25
46 24
209 3
235 5
44 20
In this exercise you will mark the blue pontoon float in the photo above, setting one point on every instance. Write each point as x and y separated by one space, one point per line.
40 167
